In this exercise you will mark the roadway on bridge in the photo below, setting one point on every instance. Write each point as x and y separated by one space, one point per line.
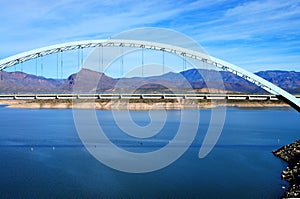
251 97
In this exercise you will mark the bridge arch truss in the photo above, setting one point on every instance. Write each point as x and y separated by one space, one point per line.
184 52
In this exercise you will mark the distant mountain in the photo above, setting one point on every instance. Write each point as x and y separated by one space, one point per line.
288 80
89 81
232 82
198 79
13 82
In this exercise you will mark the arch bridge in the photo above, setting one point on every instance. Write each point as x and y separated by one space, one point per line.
184 52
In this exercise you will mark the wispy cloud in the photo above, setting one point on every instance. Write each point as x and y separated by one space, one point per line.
38 22
238 31
255 29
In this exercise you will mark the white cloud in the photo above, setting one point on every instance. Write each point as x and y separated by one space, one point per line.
38 22
256 19
227 28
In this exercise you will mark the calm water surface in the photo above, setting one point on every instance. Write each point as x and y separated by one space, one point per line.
43 157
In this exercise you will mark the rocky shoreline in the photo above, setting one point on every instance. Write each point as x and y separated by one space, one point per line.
171 104
291 154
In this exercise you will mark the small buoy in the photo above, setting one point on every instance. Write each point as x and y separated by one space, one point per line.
31 149
53 148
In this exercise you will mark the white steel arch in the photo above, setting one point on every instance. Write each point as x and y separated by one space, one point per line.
262 83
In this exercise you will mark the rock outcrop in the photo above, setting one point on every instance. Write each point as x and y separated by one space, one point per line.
291 154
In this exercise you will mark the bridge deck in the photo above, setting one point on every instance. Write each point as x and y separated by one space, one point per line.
251 97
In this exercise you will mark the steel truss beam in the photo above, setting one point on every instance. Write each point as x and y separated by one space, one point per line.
262 83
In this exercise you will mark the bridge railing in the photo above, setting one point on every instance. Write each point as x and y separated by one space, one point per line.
216 96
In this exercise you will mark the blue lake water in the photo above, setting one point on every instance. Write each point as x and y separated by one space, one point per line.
43 157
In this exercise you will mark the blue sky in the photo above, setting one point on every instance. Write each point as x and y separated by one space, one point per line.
256 35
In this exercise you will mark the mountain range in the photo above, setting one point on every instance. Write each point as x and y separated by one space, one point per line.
90 81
